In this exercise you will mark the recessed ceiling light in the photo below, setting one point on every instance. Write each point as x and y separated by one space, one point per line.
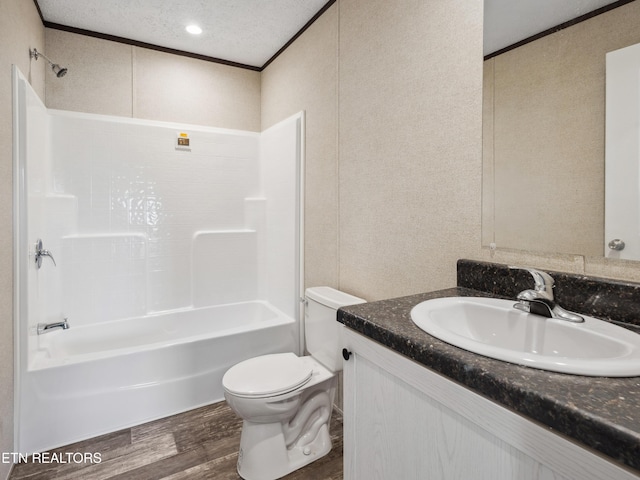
194 29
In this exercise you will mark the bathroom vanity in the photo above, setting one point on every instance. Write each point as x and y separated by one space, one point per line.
417 407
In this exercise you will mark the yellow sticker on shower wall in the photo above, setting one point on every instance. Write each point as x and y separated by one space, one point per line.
183 139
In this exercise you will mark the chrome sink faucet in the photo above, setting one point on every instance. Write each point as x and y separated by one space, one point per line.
540 301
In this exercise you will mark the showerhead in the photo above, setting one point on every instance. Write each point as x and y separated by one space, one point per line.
57 69
60 72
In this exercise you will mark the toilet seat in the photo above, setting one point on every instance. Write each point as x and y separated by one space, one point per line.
267 375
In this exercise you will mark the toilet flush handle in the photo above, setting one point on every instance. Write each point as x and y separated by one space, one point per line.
346 354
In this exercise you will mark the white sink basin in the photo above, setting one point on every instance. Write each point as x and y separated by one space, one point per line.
493 328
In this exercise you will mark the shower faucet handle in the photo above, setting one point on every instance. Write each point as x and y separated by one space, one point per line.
40 252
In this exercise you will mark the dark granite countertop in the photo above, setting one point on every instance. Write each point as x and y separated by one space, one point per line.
600 413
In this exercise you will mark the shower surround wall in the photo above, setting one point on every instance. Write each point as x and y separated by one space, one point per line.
145 226
173 263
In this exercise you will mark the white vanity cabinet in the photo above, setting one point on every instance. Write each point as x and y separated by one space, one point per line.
403 421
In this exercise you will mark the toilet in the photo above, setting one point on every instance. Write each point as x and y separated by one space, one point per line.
285 401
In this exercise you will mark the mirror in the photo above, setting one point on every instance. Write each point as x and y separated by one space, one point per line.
544 128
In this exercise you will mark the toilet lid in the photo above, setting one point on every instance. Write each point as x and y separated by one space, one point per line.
267 375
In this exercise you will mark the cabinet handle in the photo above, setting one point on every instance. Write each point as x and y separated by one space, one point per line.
346 354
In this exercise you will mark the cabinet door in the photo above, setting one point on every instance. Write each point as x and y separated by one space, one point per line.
404 421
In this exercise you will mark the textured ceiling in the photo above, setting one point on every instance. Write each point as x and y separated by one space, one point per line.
248 32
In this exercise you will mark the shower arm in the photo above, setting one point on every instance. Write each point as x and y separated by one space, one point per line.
35 54
57 69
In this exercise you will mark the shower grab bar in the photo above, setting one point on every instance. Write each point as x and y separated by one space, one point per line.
40 252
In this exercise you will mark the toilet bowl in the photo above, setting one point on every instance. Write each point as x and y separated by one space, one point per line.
285 400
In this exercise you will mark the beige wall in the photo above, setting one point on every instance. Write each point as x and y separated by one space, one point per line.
115 79
399 86
304 77
20 30
410 143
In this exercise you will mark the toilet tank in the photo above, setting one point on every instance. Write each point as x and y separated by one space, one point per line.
323 333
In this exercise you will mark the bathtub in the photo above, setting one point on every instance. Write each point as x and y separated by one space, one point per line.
95 379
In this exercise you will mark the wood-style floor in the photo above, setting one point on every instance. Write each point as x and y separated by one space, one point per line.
199 444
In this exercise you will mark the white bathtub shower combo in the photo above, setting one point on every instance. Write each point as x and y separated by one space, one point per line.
172 263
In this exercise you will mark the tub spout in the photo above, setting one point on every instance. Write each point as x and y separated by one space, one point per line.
49 327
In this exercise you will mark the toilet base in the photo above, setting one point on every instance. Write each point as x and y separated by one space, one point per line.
264 455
